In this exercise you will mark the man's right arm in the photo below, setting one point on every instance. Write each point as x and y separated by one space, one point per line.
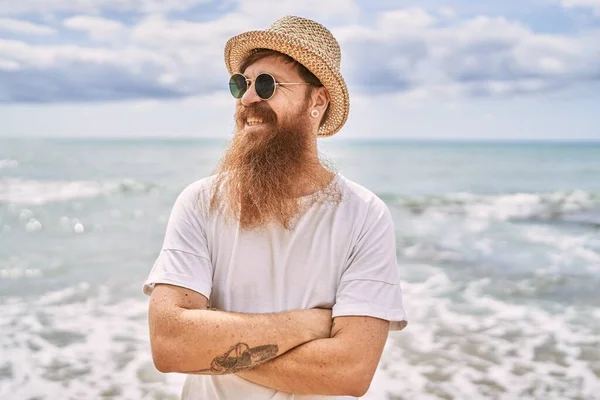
187 337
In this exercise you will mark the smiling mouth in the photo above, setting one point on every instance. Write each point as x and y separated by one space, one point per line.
253 121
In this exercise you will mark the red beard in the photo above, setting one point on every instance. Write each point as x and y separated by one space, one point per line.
259 177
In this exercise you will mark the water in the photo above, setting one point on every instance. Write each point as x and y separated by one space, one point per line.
498 245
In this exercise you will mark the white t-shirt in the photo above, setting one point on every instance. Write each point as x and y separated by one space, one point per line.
337 256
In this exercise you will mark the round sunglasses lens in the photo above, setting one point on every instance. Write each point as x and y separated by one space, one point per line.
238 85
265 86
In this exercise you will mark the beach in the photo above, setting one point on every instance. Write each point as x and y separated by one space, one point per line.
498 246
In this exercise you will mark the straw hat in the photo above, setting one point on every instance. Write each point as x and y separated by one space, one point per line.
309 43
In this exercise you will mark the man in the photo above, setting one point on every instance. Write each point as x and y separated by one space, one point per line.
260 257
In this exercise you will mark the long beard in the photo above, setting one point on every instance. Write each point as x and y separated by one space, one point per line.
258 178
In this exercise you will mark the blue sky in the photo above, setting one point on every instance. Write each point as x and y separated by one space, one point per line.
426 69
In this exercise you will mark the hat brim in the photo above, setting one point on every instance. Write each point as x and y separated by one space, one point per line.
239 47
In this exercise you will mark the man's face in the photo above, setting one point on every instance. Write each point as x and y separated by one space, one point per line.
288 103
259 176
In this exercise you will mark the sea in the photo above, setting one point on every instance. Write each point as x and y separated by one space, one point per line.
498 247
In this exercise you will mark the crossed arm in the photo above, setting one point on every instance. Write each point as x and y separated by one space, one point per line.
341 365
296 352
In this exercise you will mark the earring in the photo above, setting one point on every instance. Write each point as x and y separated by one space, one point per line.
314 113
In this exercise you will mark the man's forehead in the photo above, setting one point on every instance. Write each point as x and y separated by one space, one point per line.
275 65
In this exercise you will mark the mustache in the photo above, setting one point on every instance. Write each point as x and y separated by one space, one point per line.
259 110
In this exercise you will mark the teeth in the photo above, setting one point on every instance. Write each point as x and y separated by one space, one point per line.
254 121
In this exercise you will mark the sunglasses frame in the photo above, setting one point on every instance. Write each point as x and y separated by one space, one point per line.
249 81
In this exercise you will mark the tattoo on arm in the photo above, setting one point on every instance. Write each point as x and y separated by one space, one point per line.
240 357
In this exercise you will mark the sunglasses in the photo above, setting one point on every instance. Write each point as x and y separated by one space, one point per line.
264 84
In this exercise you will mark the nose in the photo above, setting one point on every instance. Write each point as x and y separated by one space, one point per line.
250 97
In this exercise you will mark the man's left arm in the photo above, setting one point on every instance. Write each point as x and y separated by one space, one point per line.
341 365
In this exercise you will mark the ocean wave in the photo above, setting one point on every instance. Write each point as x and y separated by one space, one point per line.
473 247
35 192
79 340
16 273
460 343
8 163
570 206
463 343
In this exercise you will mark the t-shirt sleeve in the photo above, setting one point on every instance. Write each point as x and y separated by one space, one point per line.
184 259
370 284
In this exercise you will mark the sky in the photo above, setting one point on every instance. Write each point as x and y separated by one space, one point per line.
428 69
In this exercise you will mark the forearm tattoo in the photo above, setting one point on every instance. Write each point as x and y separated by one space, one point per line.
240 357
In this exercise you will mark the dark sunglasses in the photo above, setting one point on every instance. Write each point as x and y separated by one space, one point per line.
264 84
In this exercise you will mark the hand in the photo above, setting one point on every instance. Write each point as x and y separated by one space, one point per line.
319 322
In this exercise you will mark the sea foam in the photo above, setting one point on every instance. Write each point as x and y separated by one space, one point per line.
36 192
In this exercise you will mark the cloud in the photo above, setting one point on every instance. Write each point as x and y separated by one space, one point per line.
409 51
260 10
71 73
16 26
446 12
99 29
266 11
94 6
156 57
594 5
401 21
482 56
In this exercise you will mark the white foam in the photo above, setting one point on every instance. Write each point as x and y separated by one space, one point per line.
34 192
441 234
566 248
508 206
9 163
39 192
17 273
476 346
460 343
65 295
76 343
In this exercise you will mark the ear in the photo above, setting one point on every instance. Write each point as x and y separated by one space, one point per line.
320 99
